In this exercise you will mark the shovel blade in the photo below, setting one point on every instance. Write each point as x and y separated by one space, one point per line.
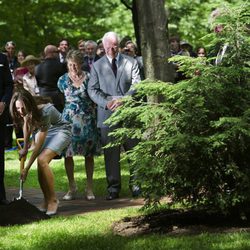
20 190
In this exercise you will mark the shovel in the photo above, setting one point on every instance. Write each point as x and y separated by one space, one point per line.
20 211
22 161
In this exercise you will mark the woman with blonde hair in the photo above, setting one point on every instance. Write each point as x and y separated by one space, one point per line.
81 112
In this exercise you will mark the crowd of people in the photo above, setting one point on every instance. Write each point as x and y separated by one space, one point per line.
59 102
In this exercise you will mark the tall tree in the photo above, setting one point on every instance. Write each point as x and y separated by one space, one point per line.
153 30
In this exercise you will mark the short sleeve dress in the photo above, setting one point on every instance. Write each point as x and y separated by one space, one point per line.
59 130
80 111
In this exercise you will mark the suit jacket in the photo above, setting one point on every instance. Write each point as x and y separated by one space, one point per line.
48 72
86 67
6 83
103 86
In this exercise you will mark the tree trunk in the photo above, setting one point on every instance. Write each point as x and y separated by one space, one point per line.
132 7
135 18
153 32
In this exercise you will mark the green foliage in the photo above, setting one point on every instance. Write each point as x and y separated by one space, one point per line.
191 20
194 145
33 24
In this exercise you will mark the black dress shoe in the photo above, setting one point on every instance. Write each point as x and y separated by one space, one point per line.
112 196
4 202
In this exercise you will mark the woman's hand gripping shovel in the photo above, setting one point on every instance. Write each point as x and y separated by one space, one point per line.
22 161
20 211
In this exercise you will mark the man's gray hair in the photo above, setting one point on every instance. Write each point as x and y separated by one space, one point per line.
90 42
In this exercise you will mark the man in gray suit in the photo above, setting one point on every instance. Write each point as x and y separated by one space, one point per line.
112 77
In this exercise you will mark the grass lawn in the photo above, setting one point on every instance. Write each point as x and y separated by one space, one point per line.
93 230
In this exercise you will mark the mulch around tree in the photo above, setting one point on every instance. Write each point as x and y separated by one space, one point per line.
181 222
19 212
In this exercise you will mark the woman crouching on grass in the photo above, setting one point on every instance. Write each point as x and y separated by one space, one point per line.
52 136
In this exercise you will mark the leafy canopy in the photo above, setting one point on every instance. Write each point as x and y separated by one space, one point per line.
33 24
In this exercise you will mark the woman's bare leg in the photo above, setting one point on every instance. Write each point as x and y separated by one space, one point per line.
47 179
69 167
44 206
89 166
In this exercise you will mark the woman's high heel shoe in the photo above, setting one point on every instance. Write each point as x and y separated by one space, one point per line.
70 195
43 207
90 195
52 208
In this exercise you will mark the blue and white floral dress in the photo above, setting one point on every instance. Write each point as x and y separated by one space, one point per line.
80 111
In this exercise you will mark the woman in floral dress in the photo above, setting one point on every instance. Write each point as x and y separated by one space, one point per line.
80 111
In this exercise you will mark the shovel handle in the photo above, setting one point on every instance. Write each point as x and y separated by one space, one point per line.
22 164
19 141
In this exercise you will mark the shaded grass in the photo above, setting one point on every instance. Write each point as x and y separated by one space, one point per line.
93 230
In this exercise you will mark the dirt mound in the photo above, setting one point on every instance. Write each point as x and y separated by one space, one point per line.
20 212
173 222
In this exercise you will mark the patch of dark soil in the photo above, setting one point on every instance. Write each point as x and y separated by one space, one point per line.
175 222
20 212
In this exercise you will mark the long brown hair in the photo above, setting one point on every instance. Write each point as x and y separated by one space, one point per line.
30 105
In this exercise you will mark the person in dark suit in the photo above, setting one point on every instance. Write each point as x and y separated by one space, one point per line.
90 55
10 51
111 78
47 74
63 49
6 86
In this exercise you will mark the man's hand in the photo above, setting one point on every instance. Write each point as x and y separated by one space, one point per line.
112 105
